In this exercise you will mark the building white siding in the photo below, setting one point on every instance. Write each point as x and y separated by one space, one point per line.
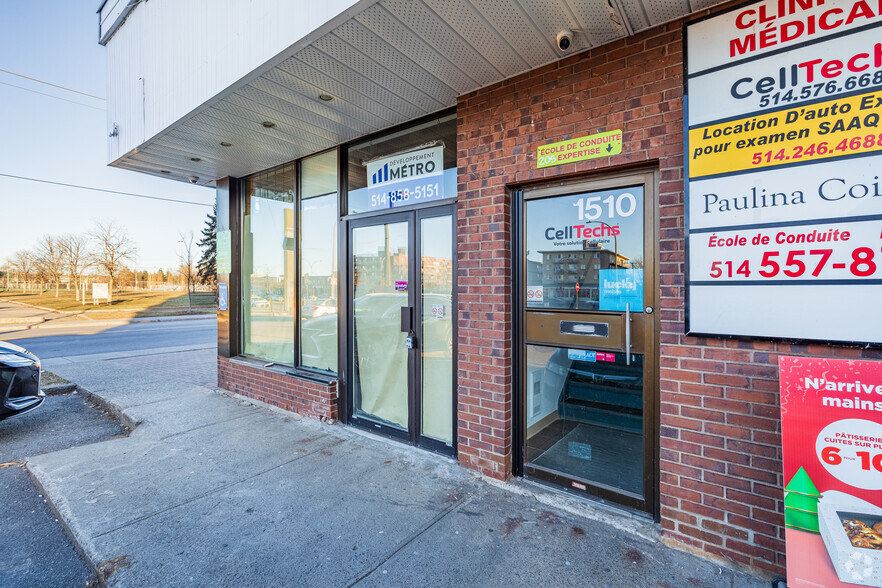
171 56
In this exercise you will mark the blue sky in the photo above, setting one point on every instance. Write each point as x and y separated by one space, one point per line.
55 140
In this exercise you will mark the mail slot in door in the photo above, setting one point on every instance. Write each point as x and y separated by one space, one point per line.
606 331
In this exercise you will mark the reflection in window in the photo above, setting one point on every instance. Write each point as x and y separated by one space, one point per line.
604 226
318 262
268 266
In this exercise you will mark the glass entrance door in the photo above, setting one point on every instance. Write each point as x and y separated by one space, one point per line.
402 326
589 339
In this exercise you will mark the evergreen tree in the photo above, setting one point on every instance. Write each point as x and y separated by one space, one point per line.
207 266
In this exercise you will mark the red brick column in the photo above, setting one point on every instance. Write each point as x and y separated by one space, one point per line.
721 490
484 319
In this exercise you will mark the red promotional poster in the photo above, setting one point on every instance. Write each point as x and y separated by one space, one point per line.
831 424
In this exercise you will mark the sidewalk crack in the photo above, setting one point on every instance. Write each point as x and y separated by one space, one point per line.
413 537
241 416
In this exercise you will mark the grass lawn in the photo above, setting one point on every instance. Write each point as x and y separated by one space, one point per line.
167 302
50 379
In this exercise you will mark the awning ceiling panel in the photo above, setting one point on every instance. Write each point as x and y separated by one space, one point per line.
390 62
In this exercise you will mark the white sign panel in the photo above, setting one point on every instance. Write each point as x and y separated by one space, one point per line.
535 294
783 155
100 291
406 178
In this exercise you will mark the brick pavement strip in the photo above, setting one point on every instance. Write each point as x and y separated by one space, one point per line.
214 490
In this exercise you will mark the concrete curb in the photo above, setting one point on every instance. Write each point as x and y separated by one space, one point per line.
59 389
173 317
80 544
65 528
116 411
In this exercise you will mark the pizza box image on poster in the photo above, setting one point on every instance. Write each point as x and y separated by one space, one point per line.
831 428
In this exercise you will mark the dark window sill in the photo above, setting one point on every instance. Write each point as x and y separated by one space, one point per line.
285 370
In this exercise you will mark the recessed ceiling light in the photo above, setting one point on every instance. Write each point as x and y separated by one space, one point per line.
225 144
268 124
326 97
196 159
165 171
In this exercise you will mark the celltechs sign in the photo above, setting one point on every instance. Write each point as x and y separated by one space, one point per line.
784 157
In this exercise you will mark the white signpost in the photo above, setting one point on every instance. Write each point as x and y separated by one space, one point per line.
783 157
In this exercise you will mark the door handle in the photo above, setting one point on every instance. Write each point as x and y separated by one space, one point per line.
406 319
627 333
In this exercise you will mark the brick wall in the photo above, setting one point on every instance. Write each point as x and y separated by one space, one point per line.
720 446
312 399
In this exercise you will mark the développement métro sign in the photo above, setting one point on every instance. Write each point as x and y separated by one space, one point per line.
406 178
784 158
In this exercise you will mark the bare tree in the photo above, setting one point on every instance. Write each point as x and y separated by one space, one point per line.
76 258
23 263
113 247
187 257
50 258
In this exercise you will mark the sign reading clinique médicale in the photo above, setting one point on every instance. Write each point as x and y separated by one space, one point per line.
784 135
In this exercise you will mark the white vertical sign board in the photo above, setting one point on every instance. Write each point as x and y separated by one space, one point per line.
784 158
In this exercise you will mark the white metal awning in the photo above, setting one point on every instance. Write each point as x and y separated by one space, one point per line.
390 62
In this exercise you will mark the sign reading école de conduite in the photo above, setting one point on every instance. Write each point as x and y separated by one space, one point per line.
581 149
783 152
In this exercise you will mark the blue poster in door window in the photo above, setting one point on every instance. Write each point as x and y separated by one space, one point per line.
619 287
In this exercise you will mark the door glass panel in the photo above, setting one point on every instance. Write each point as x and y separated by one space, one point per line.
585 415
380 258
436 264
585 251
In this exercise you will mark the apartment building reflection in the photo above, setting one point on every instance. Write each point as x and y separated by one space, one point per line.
574 274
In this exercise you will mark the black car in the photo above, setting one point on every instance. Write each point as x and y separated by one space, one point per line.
19 381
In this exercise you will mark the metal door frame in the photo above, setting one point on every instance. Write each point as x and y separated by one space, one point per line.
413 434
648 504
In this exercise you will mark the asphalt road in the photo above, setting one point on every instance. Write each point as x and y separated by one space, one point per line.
86 337
35 550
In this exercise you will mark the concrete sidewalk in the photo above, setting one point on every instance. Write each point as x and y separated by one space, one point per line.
210 490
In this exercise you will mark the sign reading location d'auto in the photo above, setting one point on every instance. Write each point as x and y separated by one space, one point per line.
783 153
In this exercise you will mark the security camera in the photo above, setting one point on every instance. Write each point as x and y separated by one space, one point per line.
193 179
565 40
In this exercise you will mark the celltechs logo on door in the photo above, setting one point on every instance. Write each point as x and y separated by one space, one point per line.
582 232
406 178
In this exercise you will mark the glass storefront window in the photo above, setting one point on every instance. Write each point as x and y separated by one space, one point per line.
411 166
318 261
585 251
268 287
